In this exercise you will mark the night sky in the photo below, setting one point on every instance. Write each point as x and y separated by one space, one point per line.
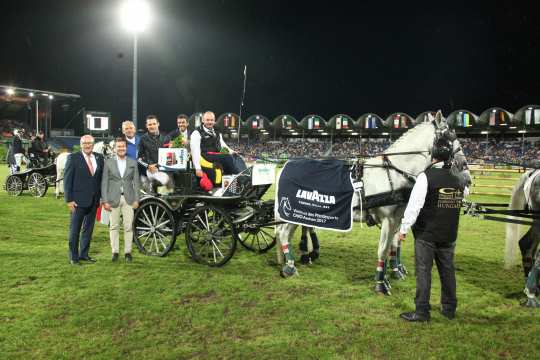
301 58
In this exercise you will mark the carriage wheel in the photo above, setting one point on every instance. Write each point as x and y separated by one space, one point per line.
14 185
259 239
153 228
37 185
210 236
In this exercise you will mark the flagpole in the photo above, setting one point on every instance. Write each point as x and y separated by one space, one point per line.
242 103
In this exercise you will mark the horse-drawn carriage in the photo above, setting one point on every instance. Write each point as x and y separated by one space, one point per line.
37 180
212 223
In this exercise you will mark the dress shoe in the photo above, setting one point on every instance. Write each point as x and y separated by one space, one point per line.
114 257
129 258
89 259
75 262
450 315
414 317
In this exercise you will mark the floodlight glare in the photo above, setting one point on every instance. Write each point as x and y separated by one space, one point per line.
385 134
51 97
354 133
522 131
31 94
484 132
10 91
135 15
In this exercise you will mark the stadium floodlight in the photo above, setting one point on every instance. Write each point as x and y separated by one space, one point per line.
324 133
354 133
522 131
31 94
51 97
10 91
135 16
385 134
513 127
484 132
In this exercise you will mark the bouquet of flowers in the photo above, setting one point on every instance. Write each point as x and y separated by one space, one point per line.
178 142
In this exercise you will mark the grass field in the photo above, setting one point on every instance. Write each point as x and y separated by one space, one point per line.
173 308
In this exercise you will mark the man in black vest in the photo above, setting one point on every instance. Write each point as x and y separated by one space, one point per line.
433 213
205 141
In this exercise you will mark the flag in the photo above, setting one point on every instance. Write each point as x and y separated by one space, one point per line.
233 121
466 120
396 121
226 121
310 123
316 124
338 122
345 123
254 124
404 122
492 119
536 116
528 115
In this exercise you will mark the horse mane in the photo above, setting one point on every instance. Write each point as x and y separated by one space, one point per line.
406 135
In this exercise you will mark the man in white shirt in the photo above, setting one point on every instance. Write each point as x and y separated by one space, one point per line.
205 141
120 195
433 214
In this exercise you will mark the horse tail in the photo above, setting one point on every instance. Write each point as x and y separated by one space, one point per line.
517 202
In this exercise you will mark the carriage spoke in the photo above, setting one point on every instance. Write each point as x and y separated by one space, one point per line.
163 224
205 224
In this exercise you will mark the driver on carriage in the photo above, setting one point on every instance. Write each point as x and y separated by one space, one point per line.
206 142
40 148
148 152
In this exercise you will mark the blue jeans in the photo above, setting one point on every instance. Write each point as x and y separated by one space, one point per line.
82 218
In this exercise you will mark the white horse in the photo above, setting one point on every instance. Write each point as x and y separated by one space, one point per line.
526 195
106 149
384 177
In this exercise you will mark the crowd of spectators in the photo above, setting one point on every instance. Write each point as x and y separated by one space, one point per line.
499 151
513 151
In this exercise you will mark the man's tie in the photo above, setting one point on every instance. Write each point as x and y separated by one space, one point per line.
90 166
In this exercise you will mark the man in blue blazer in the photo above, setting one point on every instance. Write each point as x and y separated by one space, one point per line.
82 192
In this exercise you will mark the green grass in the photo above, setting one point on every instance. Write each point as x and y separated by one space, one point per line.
171 308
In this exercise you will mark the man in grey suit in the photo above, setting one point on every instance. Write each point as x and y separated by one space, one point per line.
120 195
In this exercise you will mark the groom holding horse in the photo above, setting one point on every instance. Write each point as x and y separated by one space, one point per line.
433 213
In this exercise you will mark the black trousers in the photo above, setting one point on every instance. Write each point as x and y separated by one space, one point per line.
230 164
443 254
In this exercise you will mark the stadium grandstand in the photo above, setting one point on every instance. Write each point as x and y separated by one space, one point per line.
493 135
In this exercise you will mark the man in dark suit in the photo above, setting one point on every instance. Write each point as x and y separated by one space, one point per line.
82 184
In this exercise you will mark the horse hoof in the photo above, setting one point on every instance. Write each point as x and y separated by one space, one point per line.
288 271
398 275
314 255
531 302
380 288
305 259
403 269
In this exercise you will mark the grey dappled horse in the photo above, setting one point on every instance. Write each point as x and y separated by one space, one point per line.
395 171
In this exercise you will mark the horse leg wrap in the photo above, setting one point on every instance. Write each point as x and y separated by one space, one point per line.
314 255
379 273
288 269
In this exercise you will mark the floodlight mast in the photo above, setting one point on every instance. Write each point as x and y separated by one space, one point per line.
135 17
